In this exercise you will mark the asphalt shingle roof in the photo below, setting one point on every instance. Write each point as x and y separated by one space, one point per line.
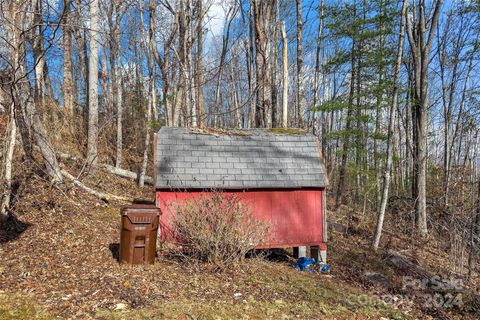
255 158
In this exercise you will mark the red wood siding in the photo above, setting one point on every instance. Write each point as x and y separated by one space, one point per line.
295 215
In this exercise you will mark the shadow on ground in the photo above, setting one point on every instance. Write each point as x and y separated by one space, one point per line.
275 255
115 250
12 228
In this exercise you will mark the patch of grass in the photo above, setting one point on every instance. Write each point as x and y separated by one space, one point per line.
288 294
286 131
15 306
249 308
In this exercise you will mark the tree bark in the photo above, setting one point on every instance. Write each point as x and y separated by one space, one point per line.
391 122
318 63
116 77
119 142
232 12
151 96
67 62
262 17
274 65
285 77
38 52
249 59
420 48
348 123
300 77
92 153
474 234
164 63
250 56
21 93
7 169
199 78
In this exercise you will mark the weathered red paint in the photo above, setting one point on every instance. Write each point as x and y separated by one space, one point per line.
295 215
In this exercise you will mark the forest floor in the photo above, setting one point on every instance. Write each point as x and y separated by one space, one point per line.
58 260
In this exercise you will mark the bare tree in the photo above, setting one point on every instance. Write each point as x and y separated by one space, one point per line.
285 78
354 78
38 51
6 172
230 15
115 11
274 39
474 234
420 37
300 77
92 153
199 73
151 92
67 61
20 92
262 20
391 122
318 63
164 62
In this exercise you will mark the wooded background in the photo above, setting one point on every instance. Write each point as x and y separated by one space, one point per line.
391 88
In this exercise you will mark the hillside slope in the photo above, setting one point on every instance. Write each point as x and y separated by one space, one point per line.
59 261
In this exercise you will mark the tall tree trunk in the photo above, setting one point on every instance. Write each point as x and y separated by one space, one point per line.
6 173
92 153
115 78
150 106
474 234
67 62
391 122
348 123
21 92
182 59
420 48
190 96
38 52
262 15
237 123
285 77
119 99
448 156
199 78
249 51
223 55
164 63
300 76
152 96
317 69
274 65
104 83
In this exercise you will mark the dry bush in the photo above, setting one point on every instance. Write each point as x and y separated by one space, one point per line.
218 228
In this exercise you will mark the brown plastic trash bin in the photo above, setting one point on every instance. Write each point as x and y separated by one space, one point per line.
139 234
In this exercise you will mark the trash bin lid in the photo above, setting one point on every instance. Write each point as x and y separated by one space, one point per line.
140 208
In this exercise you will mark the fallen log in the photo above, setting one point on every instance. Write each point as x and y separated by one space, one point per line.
405 265
116 171
101 195
125 173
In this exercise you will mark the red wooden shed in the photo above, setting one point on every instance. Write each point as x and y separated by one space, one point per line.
280 174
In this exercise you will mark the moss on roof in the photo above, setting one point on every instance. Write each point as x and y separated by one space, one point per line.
221 131
286 131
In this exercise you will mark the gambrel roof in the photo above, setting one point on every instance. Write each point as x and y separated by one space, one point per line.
237 159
